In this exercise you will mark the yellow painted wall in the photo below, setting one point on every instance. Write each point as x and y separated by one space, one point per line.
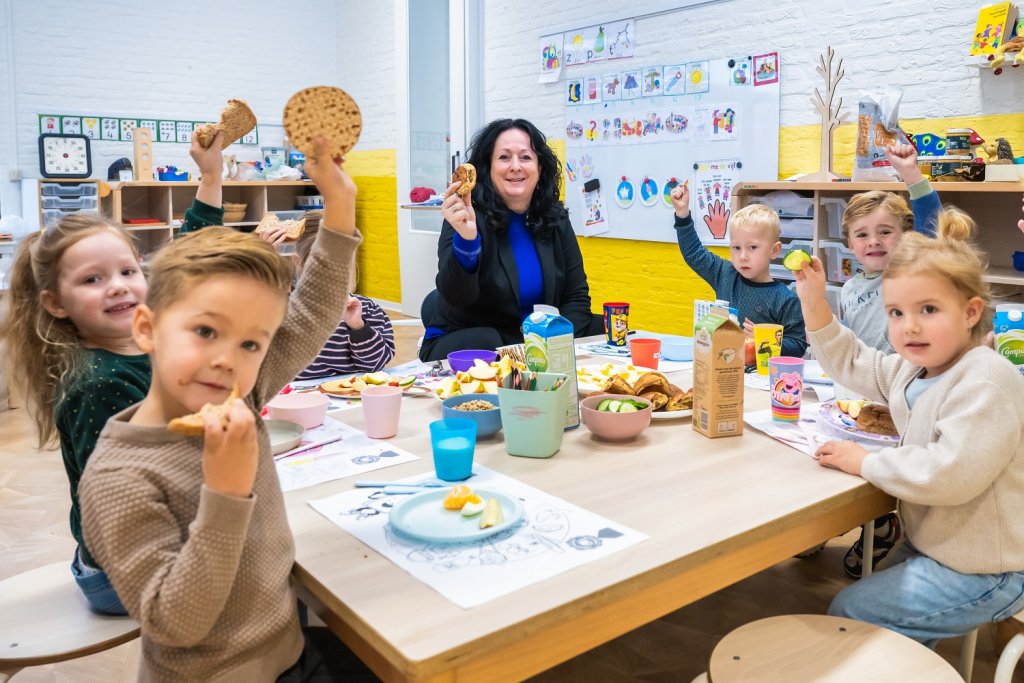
650 275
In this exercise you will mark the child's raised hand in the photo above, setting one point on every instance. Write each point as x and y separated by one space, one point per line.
275 236
210 160
458 211
810 287
354 313
336 186
841 455
230 451
681 199
904 159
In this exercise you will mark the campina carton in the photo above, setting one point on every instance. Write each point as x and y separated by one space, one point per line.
550 347
718 356
1009 329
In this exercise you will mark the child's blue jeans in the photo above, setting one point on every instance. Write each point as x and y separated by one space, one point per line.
927 601
96 587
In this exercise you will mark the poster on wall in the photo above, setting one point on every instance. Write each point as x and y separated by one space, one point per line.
551 58
613 40
640 147
766 69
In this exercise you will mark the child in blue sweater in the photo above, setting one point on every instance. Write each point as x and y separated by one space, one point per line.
746 282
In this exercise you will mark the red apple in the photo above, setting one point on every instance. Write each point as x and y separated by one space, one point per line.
750 354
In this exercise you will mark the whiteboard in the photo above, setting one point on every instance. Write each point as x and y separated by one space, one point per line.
636 132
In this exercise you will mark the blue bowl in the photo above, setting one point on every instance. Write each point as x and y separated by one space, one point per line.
488 422
677 348
462 361
1018 260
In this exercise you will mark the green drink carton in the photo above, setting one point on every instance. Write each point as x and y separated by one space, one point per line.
1009 329
551 347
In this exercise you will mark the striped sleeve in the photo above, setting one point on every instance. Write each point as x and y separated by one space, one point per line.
354 351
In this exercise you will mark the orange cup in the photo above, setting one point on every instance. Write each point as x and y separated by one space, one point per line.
645 352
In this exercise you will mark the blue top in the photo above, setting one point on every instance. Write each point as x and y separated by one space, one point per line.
531 279
762 302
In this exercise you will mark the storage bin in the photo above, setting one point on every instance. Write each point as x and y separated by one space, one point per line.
787 204
834 210
51 216
797 228
69 190
832 295
840 263
70 204
781 272
289 215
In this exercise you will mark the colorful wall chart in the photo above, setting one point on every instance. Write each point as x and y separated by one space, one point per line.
120 129
702 122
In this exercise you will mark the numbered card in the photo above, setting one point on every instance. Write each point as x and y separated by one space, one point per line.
184 129
71 125
110 129
91 127
49 124
166 131
251 138
128 127
148 123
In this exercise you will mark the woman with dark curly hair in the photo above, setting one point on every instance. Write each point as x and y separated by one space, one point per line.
504 247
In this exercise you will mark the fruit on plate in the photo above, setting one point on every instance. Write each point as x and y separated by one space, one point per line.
482 378
377 378
472 508
796 259
492 514
458 496
352 386
851 407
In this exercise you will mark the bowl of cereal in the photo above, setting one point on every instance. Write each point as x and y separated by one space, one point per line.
480 408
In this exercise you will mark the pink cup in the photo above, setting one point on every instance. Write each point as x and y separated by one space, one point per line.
381 407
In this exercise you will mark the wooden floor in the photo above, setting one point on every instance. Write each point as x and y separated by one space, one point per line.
34 532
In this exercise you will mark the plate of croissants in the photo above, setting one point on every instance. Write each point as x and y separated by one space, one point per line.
669 401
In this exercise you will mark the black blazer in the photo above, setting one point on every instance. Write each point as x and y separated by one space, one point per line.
489 296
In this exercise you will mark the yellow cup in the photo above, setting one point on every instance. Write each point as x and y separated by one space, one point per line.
767 344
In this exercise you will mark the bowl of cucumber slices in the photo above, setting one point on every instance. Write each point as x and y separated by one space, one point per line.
615 417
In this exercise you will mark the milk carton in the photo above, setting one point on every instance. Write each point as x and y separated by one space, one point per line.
550 347
718 355
1009 329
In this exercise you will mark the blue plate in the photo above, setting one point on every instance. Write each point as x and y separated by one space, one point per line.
423 517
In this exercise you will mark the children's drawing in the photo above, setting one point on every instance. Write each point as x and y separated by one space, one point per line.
574 92
652 124
590 131
697 80
625 193
592 91
712 181
666 192
570 170
551 53
631 85
739 72
620 39
652 83
723 122
606 130
648 192
611 87
593 203
586 166
766 68
674 78
676 123
574 130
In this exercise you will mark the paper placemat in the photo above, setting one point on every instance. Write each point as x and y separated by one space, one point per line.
344 451
805 435
554 537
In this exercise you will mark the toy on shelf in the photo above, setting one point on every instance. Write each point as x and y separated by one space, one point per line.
997 58
171 173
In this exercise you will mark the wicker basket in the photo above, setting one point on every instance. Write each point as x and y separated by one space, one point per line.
234 212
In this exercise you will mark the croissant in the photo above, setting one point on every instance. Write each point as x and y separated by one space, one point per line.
652 381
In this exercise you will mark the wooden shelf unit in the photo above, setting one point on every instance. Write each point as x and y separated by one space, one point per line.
996 207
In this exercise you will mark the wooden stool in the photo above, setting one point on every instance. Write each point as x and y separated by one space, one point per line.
44 618
808 647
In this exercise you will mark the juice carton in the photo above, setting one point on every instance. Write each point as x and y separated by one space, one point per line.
718 355
1009 329
550 347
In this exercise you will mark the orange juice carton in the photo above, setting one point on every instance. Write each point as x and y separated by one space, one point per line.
718 356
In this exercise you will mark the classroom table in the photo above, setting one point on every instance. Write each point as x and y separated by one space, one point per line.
716 511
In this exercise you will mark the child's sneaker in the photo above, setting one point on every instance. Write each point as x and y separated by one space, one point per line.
887 534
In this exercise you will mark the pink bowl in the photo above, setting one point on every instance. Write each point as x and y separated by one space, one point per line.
614 426
307 409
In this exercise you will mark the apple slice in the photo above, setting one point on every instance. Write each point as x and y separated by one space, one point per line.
484 374
844 405
480 363
490 387
855 408
377 378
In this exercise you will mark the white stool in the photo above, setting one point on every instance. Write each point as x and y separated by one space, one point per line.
811 647
44 618
1011 655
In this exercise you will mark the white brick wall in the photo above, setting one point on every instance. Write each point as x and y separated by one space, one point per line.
159 60
366 67
916 45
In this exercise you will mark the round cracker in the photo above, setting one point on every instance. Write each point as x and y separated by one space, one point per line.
466 173
322 110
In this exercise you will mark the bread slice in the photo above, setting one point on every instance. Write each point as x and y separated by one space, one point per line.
652 381
679 399
876 419
293 228
346 386
658 400
194 424
236 121
617 385
467 174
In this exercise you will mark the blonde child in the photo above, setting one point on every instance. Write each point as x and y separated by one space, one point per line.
74 289
192 530
746 283
959 470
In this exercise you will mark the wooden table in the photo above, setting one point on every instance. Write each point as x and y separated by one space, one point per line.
716 511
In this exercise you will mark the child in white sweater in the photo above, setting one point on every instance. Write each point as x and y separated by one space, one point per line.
959 470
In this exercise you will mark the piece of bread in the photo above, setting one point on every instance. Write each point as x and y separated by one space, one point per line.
194 424
323 110
236 121
652 381
346 386
876 419
658 400
466 173
294 228
617 385
679 399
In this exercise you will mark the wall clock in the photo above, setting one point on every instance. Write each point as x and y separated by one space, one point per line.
64 156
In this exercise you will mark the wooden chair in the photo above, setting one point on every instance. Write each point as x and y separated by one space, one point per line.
44 618
810 647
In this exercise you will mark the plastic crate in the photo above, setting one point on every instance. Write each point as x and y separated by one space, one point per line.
832 295
70 204
797 228
69 190
780 272
787 204
834 210
52 216
840 263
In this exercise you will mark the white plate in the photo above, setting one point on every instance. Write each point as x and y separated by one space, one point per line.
671 414
284 435
847 426
423 516
595 374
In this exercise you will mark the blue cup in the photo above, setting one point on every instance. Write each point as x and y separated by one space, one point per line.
453 441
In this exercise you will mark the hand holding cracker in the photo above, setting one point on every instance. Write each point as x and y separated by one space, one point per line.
230 451
336 186
458 211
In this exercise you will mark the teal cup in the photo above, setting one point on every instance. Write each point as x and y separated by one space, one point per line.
453 441
533 421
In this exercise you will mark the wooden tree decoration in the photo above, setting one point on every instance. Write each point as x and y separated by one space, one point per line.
830 118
